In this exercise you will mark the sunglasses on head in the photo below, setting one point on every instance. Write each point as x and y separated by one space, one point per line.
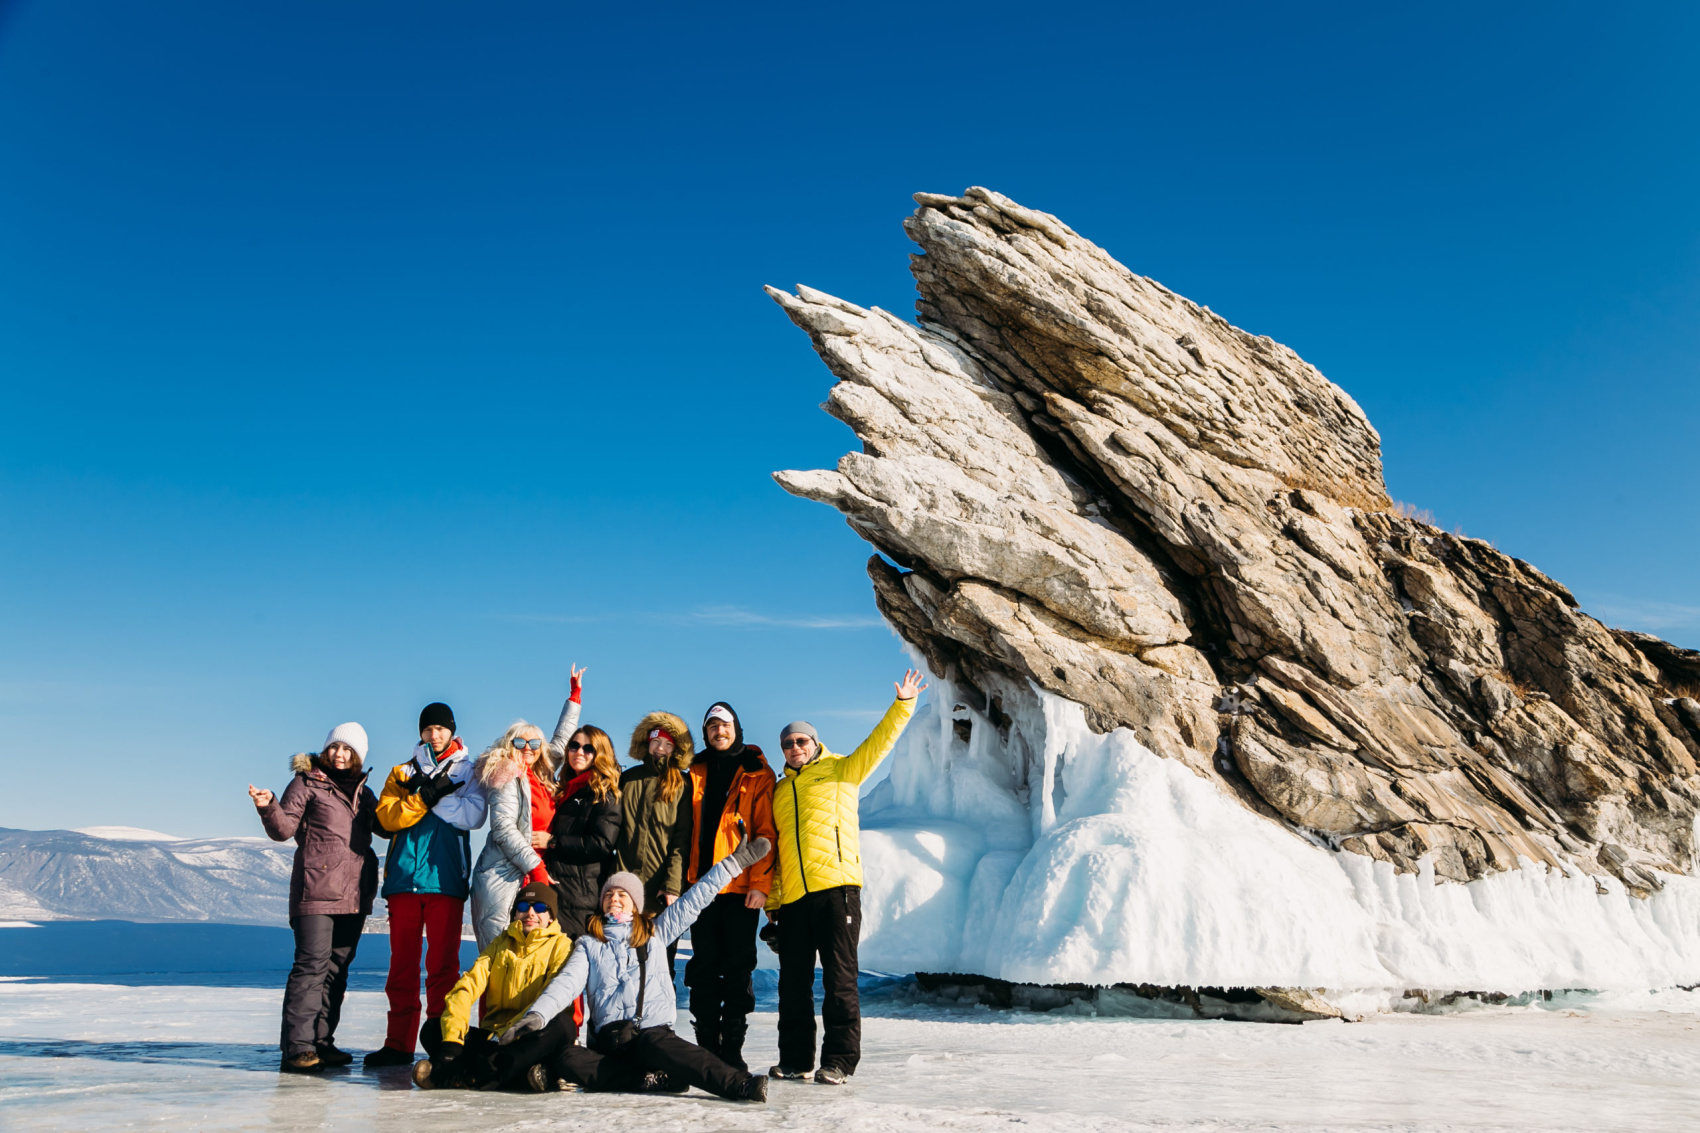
525 907
794 741
527 745
574 745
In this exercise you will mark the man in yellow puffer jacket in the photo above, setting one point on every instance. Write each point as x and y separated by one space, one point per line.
509 975
816 900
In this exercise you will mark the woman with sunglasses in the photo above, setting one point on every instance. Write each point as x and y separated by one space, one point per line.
579 847
516 772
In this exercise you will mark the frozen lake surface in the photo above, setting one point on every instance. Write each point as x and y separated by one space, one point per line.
108 1056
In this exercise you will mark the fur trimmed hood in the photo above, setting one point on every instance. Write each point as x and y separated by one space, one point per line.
304 763
684 747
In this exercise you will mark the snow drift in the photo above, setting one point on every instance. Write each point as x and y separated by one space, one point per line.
1042 852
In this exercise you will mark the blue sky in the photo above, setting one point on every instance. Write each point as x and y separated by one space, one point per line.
357 355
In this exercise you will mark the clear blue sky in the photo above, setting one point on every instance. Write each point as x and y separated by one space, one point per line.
357 355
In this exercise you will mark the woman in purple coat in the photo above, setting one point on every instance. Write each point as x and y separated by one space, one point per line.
332 815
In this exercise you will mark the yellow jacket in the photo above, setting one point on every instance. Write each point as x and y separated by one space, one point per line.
510 974
816 811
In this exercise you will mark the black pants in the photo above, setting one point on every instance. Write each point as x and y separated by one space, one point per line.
655 1048
312 999
482 1060
827 922
723 959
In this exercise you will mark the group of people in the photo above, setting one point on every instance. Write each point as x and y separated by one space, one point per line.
587 881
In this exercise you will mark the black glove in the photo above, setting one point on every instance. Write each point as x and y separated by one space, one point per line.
770 933
416 781
448 1052
439 787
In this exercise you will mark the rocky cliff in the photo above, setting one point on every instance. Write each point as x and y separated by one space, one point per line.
1091 483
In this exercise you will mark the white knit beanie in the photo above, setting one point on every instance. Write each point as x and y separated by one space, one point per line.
351 734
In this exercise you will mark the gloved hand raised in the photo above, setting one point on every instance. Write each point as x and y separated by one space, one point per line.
749 852
439 787
530 1022
415 781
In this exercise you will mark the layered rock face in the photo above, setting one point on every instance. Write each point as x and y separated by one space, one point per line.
1092 483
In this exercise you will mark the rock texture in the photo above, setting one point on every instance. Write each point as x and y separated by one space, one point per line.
1088 481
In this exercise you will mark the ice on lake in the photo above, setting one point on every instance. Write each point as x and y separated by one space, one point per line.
139 1051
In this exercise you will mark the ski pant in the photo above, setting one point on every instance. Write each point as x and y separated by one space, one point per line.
723 958
827 922
655 1048
437 918
483 1061
312 999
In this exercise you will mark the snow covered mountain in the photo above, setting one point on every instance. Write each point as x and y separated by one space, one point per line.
122 873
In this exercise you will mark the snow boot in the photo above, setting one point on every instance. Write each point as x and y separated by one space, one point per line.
308 1063
731 1049
331 1056
786 1074
830 1076
755 1090
387 1056
422 1075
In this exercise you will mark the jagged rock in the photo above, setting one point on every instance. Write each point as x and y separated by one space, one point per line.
1090 482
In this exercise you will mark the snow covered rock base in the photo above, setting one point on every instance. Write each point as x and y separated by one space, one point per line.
1013 842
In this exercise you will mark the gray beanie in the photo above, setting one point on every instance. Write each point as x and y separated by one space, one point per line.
627 881
799 727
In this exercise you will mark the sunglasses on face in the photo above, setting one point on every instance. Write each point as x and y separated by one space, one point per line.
574 745
794 741
527 745
525 907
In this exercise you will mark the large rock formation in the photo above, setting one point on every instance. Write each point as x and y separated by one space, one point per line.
1091 483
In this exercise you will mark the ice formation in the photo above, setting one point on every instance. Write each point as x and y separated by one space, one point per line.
1041 852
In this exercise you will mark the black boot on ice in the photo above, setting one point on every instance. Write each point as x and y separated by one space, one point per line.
331 1056
830 1076
755 1090
387 1056
786 1074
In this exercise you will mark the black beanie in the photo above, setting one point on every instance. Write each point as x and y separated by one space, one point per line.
437 713
538 891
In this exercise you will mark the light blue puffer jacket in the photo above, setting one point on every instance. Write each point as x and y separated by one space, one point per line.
607 970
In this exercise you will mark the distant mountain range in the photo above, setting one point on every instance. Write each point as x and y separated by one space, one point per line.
122 873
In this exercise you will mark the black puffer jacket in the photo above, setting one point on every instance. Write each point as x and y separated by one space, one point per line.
581 854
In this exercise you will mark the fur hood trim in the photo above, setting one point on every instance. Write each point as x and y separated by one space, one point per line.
683 745
495 770
304 764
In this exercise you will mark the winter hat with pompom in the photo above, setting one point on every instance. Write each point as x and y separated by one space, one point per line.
351 734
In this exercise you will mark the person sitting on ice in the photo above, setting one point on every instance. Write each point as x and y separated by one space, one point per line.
620 967
816 901
509 975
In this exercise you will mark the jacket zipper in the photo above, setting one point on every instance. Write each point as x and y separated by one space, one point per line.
839 840
797 829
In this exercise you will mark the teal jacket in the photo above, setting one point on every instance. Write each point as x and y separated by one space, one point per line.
431 849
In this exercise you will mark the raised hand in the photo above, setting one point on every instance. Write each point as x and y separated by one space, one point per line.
911 686
262 797
578 676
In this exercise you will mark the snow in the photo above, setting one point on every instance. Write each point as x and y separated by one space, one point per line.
1053 855
101 1056
126 834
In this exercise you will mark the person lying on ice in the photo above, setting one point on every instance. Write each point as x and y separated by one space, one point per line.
509 974
620 966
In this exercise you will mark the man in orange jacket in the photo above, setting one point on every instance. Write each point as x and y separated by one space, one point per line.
732 801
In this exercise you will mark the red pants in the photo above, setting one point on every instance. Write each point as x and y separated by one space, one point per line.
438 919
